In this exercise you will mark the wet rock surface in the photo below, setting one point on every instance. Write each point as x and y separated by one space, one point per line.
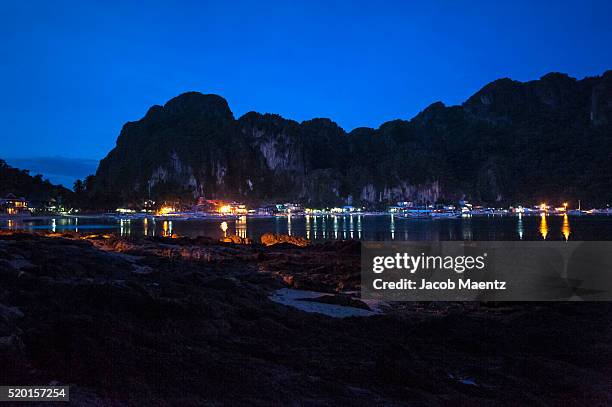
270 239
189 322
236 239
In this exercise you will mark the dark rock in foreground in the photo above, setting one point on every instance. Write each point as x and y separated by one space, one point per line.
271 239
189 322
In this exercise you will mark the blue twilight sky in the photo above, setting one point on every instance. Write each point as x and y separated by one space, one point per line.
71 73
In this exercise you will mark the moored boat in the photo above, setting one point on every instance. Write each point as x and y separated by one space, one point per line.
445 215
417 213
575 212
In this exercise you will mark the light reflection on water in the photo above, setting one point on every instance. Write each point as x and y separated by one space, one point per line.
565 228
520 228
328 227
543 226
167 228
241 227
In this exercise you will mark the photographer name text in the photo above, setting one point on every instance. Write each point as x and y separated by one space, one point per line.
407 263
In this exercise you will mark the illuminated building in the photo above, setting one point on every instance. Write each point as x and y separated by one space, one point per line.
233 209
165 210
13 205
220 207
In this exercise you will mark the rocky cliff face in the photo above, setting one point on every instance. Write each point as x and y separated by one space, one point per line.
511 141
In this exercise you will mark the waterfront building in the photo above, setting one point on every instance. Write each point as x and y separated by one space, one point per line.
12 205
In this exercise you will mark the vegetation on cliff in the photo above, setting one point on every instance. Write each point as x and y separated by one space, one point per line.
36 189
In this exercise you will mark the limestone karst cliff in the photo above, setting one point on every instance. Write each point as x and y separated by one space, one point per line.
511 141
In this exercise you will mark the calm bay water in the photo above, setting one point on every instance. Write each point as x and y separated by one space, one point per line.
329 227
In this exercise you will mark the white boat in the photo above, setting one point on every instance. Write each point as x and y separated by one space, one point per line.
604 211
445 215
425 213
575 212
417 213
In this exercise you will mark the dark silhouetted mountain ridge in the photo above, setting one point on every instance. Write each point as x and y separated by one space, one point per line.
547 139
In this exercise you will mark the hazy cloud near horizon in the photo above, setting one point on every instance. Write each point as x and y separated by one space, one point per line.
59 170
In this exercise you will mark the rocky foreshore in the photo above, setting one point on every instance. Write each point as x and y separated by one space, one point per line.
160 321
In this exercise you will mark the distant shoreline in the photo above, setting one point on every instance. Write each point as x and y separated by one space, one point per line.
197 216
